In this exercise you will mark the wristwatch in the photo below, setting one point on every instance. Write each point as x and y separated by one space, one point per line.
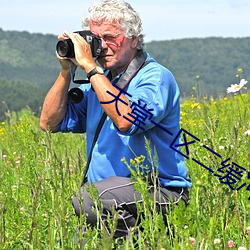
96 70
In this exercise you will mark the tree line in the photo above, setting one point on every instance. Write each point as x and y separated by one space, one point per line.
204 67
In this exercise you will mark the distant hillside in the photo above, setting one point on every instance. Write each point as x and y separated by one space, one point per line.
210 63
28 58
28 66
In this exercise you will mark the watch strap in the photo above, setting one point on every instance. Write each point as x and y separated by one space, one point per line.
93 72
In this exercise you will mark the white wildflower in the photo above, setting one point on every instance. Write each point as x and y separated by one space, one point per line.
237 87
247 133
242 248
217 241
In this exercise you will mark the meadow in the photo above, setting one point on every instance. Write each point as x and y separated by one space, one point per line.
40 172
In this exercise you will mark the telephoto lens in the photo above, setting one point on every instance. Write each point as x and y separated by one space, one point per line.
65 48
75 95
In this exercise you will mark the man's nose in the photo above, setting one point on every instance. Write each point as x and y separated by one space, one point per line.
104 44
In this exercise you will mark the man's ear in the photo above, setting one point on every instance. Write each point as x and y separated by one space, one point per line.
134 42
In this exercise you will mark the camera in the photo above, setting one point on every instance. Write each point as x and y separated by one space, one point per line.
65 48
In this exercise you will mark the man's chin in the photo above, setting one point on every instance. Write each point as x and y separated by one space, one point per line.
105 63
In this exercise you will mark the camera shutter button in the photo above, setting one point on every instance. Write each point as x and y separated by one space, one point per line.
96 70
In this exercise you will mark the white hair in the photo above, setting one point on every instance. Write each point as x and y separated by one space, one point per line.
120 13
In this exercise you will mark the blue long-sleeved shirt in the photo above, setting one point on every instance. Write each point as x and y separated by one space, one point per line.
153 87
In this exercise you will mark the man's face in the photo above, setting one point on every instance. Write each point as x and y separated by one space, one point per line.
118 50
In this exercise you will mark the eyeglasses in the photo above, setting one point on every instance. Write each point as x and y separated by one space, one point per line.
110 38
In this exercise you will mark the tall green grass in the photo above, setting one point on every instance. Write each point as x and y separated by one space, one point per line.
40 172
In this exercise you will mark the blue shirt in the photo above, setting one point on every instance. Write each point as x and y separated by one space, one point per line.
153 87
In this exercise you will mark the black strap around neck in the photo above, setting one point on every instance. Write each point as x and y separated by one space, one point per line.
97 132
136 64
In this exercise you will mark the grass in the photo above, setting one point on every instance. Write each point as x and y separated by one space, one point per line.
40 172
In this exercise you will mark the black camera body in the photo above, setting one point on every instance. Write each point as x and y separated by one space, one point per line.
65 48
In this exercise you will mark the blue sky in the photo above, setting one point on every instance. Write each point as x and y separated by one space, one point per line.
162 19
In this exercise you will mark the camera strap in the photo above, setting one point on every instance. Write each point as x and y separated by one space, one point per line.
136 64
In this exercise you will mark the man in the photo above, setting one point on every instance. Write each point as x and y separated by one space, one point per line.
132 86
